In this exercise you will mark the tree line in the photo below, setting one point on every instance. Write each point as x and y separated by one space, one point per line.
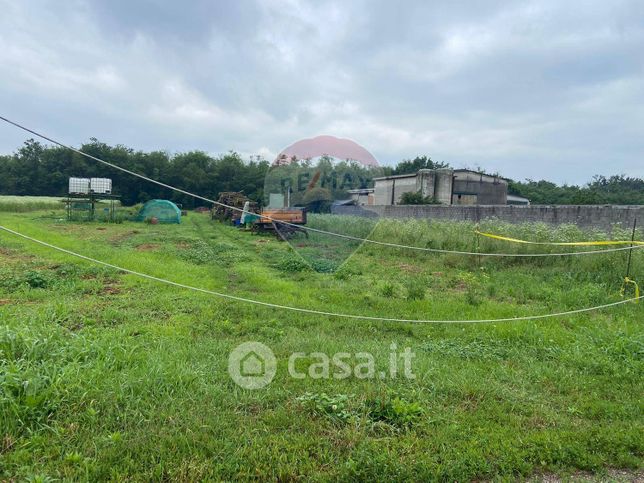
602 190
36 169
39 170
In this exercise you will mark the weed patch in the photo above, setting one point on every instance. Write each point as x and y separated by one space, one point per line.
334 407
292 264
394 411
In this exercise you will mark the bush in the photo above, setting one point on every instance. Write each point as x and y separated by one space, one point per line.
416 198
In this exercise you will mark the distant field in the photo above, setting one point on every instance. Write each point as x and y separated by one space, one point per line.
23 204
20 204
106 376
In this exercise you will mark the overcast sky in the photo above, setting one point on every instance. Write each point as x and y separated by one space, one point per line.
535 89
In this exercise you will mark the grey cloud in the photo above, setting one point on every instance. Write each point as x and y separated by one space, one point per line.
532 89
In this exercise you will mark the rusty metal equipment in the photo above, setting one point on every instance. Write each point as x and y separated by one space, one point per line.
274 219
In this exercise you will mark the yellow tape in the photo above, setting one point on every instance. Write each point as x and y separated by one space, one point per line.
570 244
626 282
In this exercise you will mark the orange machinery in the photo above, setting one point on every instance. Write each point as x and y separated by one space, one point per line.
297 216
275 219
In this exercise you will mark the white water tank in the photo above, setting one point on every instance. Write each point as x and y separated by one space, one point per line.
102 186
79 186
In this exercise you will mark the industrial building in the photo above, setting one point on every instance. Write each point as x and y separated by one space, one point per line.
361 197
446 186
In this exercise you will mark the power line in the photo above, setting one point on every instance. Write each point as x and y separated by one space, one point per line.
308 228
313 311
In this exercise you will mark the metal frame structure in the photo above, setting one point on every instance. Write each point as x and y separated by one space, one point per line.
90 200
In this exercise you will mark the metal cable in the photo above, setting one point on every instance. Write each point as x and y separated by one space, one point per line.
312 311
315 230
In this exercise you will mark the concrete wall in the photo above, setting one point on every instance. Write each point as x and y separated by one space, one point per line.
426 182
362 198
429 182
468 188
404 185
478 188
399 185
598 216
443 185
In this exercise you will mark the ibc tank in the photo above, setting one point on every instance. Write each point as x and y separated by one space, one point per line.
101 186
79 186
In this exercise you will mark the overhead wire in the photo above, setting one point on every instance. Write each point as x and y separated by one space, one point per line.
314 311
308 228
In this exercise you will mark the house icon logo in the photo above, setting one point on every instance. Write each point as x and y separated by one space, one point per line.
252 365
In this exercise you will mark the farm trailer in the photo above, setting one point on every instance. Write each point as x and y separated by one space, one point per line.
276 219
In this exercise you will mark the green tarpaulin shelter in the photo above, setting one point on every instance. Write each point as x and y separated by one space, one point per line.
163 210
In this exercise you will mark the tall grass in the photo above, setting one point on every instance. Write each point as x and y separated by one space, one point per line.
461 236
22 204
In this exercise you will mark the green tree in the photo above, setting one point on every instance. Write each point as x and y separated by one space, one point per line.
38 169
408 166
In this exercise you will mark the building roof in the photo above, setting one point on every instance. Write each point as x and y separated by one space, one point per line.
395 176
481 173
518 198
344 202
413 175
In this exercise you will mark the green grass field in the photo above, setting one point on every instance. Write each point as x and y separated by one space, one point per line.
107 376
